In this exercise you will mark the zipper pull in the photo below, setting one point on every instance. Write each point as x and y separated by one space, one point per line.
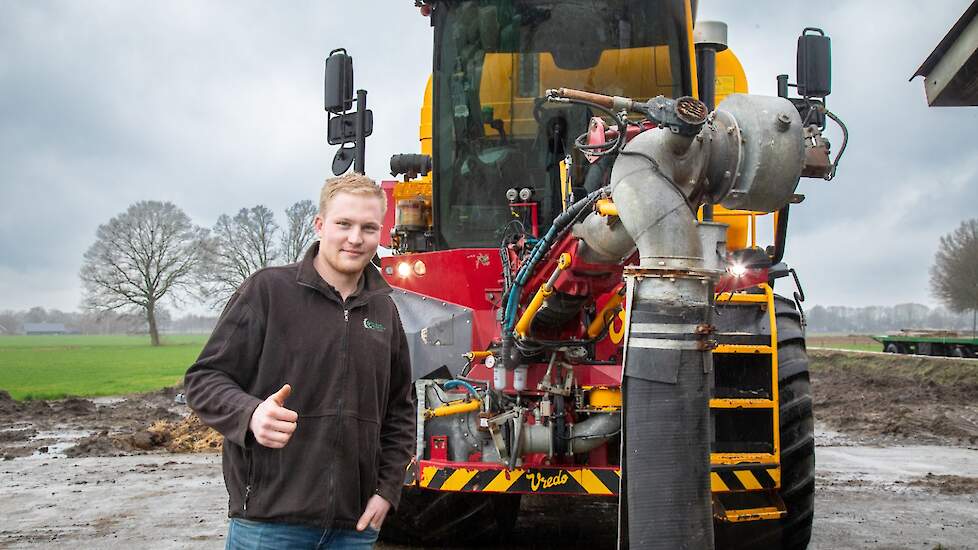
244 507
346 315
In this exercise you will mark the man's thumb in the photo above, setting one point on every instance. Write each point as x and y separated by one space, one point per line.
281 395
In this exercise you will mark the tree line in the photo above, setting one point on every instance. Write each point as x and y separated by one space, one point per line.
153 253
882 319
111 322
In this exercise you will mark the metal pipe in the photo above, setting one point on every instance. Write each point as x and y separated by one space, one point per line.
583 437
706 67
594 432
666 410
652 210
359 154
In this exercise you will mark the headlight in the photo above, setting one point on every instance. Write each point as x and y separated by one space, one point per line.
738 270
419 268
404 269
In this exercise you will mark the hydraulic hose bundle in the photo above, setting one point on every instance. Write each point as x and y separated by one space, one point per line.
510 355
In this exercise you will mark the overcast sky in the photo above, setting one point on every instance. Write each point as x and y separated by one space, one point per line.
217 106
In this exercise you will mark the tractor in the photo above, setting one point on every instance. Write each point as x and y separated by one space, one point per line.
579 260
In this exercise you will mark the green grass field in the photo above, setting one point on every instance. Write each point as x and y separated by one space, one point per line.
52 367
849 342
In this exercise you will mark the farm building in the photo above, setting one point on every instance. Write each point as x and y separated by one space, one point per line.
950 70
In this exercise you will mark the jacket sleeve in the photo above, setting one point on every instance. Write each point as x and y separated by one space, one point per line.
228 363
397 433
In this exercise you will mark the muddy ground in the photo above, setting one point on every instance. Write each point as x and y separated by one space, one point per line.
892 399
897 467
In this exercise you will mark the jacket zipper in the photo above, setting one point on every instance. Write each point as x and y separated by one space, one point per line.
251 466
331 514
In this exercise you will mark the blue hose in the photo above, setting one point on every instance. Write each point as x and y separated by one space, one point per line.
456 383
539 251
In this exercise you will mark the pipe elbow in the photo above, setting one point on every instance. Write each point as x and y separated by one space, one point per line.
655 214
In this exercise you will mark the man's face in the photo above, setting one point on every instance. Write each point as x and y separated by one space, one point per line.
349 232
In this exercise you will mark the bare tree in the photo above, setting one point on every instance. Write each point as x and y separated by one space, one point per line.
954 275
140 257
239 246
299 232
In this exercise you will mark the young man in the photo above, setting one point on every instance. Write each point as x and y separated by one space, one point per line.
307 375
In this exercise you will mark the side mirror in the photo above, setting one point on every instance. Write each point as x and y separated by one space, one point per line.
814 63
339 81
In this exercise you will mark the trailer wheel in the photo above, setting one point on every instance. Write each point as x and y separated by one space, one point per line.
892 348
442 518
794 531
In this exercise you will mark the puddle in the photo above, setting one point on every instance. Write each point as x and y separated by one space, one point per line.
57 441
109 400
825 437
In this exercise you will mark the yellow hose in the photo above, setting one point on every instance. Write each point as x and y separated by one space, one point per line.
523 325
606 208
545 290
454 407
600 320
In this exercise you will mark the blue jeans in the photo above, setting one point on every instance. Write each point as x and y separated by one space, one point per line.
245 534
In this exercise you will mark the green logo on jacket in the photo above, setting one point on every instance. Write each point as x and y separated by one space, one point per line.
373 325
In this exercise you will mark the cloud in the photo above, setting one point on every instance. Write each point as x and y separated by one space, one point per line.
908 175
217 106
213 106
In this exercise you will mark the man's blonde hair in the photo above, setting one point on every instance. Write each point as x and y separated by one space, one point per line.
354 184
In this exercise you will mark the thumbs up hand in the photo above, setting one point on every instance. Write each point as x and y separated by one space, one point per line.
271 422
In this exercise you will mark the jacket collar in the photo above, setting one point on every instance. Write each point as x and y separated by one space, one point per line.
371 282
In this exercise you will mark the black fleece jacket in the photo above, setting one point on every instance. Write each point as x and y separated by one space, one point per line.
349 367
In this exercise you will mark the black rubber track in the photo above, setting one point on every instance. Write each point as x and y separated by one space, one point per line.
797 450
437 519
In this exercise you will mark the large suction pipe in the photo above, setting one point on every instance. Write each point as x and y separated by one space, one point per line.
665 454
748 155
666 449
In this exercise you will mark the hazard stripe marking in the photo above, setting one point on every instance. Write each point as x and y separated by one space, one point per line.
590 482
481 480
427 474
458 479
716 484
545 480
578 481
731 481
748 480
438 479
609 478
503 481
766 477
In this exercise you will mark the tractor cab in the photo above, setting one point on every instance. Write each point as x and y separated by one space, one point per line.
500 151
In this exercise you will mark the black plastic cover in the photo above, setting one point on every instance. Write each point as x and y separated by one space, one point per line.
814 64
339 82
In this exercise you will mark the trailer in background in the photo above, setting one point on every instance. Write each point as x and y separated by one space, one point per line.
941 343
